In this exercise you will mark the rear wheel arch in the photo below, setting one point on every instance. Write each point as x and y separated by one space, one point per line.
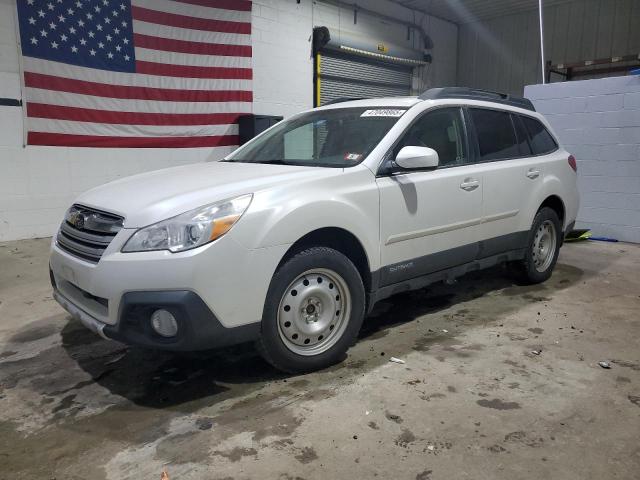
555 203
542 248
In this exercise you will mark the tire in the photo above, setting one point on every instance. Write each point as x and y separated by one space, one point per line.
543 247
313 312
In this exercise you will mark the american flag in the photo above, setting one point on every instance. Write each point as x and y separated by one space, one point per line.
135 73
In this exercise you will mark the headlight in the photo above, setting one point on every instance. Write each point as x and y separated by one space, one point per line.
191 229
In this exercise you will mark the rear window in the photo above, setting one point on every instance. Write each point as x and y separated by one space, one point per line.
496 136
541 140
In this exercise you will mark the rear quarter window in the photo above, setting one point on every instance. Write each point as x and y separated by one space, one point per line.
523 136
541 140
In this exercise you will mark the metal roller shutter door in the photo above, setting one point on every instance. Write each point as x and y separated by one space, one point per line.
341 76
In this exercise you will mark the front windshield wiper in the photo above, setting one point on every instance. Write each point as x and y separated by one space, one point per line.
270 162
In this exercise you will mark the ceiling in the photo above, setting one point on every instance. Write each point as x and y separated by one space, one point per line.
466 11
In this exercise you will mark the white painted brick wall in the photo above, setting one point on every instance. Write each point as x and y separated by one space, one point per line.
599 122
38 183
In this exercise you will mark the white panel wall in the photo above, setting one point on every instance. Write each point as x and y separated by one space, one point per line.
38 183
599 122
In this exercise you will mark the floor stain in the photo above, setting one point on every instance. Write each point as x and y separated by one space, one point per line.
405 438
393 417
624 363
424 475
356 364
36 333
496 448
306 455
536 298
236 453
188 447
522 437
430 397
498 404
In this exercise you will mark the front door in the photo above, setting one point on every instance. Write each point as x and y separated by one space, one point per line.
431 220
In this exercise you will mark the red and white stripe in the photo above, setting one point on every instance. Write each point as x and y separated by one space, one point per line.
193 78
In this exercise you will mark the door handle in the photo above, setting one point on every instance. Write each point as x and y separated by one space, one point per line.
469 184
533 174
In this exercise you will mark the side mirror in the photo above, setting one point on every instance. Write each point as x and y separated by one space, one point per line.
417 158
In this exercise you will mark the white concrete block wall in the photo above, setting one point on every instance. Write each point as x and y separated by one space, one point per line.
599 122
38 183
282 65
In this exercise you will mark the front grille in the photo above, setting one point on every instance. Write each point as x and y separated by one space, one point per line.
86 232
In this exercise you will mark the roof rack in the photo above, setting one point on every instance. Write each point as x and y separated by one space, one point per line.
342 99
477 94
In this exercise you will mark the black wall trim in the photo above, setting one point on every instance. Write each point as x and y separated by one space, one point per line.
416 267
435 262
455 262
503 243
10 102
448 273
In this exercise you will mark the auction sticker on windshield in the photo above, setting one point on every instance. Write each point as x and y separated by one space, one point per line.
379 112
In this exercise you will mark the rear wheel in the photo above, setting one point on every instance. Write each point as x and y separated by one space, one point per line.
313 312
543 247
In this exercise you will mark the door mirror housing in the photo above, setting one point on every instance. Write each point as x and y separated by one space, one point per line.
412 158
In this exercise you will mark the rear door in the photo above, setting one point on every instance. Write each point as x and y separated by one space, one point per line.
510 174
430 220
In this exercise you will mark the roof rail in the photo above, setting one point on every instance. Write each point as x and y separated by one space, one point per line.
342 99
477 94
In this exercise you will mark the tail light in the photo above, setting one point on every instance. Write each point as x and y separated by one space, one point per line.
572 163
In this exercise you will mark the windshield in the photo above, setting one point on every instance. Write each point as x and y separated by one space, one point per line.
322 138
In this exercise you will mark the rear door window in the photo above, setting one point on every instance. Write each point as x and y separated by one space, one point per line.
496 136
541 140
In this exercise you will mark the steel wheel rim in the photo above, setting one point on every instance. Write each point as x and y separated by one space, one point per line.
314 312
544 246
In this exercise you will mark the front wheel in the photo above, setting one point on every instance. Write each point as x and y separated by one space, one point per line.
543 247
313 312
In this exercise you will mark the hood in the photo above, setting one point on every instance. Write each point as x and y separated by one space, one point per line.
154 196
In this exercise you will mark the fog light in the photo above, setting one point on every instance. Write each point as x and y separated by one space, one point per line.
164 323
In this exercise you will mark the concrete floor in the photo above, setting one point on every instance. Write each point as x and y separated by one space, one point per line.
472 401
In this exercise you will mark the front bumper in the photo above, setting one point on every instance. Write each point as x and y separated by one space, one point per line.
198 327
217 291
87 320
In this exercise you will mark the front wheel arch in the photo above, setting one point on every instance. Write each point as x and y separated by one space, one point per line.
340 240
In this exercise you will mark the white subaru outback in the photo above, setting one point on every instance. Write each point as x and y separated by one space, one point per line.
290 240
